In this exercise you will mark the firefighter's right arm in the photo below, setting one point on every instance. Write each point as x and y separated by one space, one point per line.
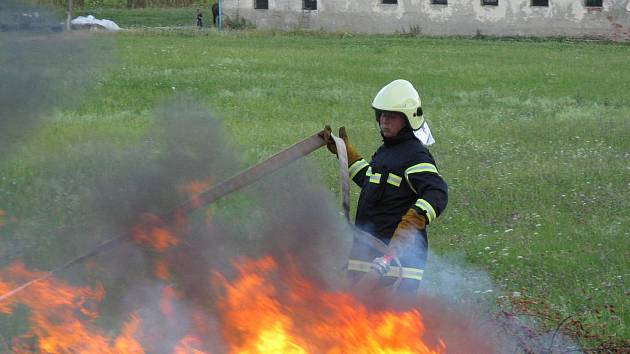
358 171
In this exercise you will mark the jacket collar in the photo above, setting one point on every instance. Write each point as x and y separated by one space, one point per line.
404 135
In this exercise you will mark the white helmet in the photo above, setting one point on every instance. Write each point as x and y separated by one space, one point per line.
400 96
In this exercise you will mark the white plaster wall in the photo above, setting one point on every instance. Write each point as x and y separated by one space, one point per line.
459 17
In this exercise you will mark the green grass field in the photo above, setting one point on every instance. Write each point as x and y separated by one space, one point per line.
533 138
151 17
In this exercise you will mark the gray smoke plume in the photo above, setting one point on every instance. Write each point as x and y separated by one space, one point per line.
459 296
41 68
43 72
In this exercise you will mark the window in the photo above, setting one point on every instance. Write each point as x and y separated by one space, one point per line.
490 2
261 4
439 2
593 3
540 2
310 4
390 2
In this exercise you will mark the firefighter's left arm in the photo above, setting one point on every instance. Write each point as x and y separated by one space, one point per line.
432 191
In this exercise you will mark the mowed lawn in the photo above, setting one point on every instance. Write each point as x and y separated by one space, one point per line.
533 138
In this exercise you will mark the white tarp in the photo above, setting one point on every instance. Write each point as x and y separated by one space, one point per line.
90 20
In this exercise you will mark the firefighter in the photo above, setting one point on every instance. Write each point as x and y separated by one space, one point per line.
401 193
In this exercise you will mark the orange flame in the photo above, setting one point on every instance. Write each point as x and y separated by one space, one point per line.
195 188
154 233
166 302
62 316
161 269
259 317
266 309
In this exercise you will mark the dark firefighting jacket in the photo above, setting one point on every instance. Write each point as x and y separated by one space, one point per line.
401 175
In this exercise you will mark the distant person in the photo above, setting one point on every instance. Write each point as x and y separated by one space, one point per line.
215 12
199 18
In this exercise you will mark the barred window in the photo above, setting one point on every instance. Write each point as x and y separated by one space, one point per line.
439 2
490 2
261 4
540 2
390 1
593 3
310 4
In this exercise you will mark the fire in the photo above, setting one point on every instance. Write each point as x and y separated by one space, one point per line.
194 188
262 317
166 302
154 232
62 316
162 269
3 218
266 308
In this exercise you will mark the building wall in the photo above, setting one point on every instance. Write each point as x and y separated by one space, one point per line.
459 17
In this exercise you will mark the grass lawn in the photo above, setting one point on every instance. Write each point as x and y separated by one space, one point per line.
533 138
150 17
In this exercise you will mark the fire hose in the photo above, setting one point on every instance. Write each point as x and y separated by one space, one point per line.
359 235
232 184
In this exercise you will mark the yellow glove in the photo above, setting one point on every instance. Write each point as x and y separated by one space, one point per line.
353 154
326 136
411 222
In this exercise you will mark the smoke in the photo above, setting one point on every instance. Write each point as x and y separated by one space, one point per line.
461 302
43 73
143 183
41 69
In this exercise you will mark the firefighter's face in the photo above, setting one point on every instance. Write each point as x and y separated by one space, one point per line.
391 123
